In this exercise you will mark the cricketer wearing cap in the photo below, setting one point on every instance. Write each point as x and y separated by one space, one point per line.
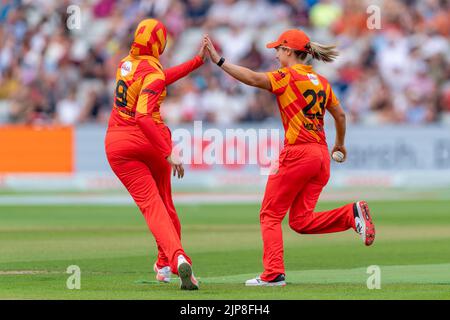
303 97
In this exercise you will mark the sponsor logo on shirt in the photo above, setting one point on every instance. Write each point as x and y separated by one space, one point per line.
147 90
126 68
313 78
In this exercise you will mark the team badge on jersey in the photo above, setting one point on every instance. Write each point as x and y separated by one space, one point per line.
313 78
126 68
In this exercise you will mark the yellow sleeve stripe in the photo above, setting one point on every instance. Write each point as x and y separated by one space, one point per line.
142 104
143 98
152 77
277 84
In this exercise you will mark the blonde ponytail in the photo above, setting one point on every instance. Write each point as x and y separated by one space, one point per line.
323 52
319 52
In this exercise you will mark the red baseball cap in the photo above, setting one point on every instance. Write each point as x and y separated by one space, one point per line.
293 38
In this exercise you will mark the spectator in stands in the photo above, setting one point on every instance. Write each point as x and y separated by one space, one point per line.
42 62
68 110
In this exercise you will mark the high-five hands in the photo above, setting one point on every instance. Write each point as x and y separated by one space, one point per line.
215 57
203 53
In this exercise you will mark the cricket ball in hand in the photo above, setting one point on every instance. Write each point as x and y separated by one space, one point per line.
338 156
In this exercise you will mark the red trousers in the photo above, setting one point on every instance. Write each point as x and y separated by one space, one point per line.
146 175
303 172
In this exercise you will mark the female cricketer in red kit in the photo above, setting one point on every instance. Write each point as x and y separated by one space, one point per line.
138 144
303 96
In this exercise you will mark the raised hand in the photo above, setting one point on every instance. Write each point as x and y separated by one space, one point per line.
203 52
215 57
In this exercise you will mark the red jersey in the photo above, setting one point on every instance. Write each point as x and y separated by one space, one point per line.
303 97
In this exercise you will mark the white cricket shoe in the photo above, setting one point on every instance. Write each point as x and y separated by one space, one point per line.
163 274
187 278
278 281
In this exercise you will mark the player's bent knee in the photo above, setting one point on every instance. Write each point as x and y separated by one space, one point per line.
299 226
294 225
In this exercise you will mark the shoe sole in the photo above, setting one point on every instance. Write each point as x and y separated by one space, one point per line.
185 274
368 234
268 284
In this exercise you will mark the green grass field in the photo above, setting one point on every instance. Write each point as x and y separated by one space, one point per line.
115 252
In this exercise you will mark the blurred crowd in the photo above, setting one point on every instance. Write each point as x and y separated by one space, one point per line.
57 69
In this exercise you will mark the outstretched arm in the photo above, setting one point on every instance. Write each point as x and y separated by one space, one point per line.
175 73
242 74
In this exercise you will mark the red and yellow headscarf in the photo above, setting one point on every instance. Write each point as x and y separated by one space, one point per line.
150 38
